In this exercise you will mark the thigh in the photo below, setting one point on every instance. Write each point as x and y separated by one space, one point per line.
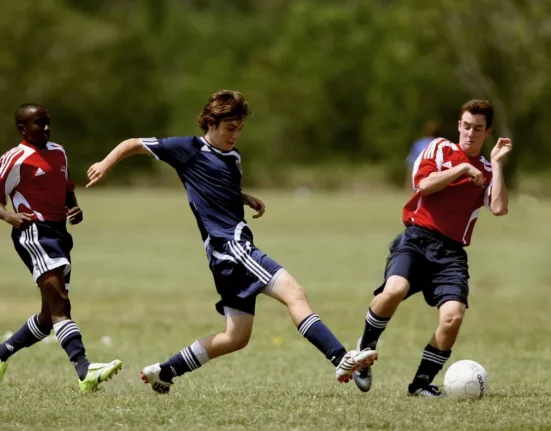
450 278
406 259
44 248
240 272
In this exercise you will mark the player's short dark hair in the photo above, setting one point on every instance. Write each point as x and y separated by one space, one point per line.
225 105
23 111
479 107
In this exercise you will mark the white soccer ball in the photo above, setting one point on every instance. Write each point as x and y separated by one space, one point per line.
466 380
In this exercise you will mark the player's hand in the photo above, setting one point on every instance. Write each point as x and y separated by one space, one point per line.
255 204
20 221
501 150
74 215
96 173
475 175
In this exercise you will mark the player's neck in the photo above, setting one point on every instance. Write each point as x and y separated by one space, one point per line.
30 144
212 144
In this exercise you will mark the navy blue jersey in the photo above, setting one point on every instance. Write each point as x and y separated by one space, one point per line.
212 179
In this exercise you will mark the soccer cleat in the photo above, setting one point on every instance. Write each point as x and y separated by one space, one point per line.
98 373
150 374
353 361
427 391
363 377
3 369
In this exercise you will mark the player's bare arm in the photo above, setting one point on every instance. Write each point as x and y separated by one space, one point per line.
437 181
255 203
19 221
499 202
74 214
127 148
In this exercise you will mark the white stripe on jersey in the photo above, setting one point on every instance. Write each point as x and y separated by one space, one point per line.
8 158
14 174
149 141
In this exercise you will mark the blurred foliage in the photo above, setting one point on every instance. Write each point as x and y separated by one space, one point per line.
349 82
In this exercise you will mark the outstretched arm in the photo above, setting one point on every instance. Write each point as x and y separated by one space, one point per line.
127 148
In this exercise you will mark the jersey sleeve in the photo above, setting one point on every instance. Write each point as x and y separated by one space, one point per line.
430 160
176 151
7 184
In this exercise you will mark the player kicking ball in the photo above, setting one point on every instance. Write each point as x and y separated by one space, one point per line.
35 176
210 169
451 182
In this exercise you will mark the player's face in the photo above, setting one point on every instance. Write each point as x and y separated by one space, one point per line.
472 133
225 135
36 128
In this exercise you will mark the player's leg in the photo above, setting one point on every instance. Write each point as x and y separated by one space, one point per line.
236 336
52 285
284 288
449 292
400 269
438 350
38 326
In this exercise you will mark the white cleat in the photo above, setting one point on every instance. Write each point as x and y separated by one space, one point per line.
363 377
150 374
353 361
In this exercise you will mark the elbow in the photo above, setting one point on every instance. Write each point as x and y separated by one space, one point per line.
500 211
423 189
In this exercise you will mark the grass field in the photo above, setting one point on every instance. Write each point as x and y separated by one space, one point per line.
141 277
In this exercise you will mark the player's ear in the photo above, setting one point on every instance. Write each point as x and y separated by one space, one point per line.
20 128
459 125
488 131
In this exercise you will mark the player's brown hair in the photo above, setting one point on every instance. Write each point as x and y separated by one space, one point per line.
225 105
479 107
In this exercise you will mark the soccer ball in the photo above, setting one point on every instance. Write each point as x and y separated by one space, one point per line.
466 380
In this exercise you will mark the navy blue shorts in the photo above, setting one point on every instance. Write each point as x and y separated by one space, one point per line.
432 263
45 246
240 272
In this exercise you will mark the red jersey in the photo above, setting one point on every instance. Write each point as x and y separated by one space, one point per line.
452 211
37 181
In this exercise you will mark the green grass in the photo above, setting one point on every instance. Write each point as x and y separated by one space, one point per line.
141 277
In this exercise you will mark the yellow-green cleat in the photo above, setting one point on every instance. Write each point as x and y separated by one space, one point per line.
98 373
3 369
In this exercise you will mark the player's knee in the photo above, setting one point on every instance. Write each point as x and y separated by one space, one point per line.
238 341
289 291
396 288
45 319
451 321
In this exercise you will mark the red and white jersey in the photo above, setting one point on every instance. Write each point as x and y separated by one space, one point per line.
37 181
454 210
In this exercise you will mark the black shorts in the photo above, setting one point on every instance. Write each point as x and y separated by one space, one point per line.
432 263
240 272
43 247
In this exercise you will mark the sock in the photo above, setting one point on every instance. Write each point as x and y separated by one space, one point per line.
69 337
315 331
374 327
185 361
30 333
432 362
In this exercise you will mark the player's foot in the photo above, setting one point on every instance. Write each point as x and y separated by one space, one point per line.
364 376
428 391
3 369
150 374
98 373
353 361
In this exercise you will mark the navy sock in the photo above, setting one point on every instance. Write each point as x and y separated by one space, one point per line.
30 333
315 331
68 335
185 361
432 362
374 327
